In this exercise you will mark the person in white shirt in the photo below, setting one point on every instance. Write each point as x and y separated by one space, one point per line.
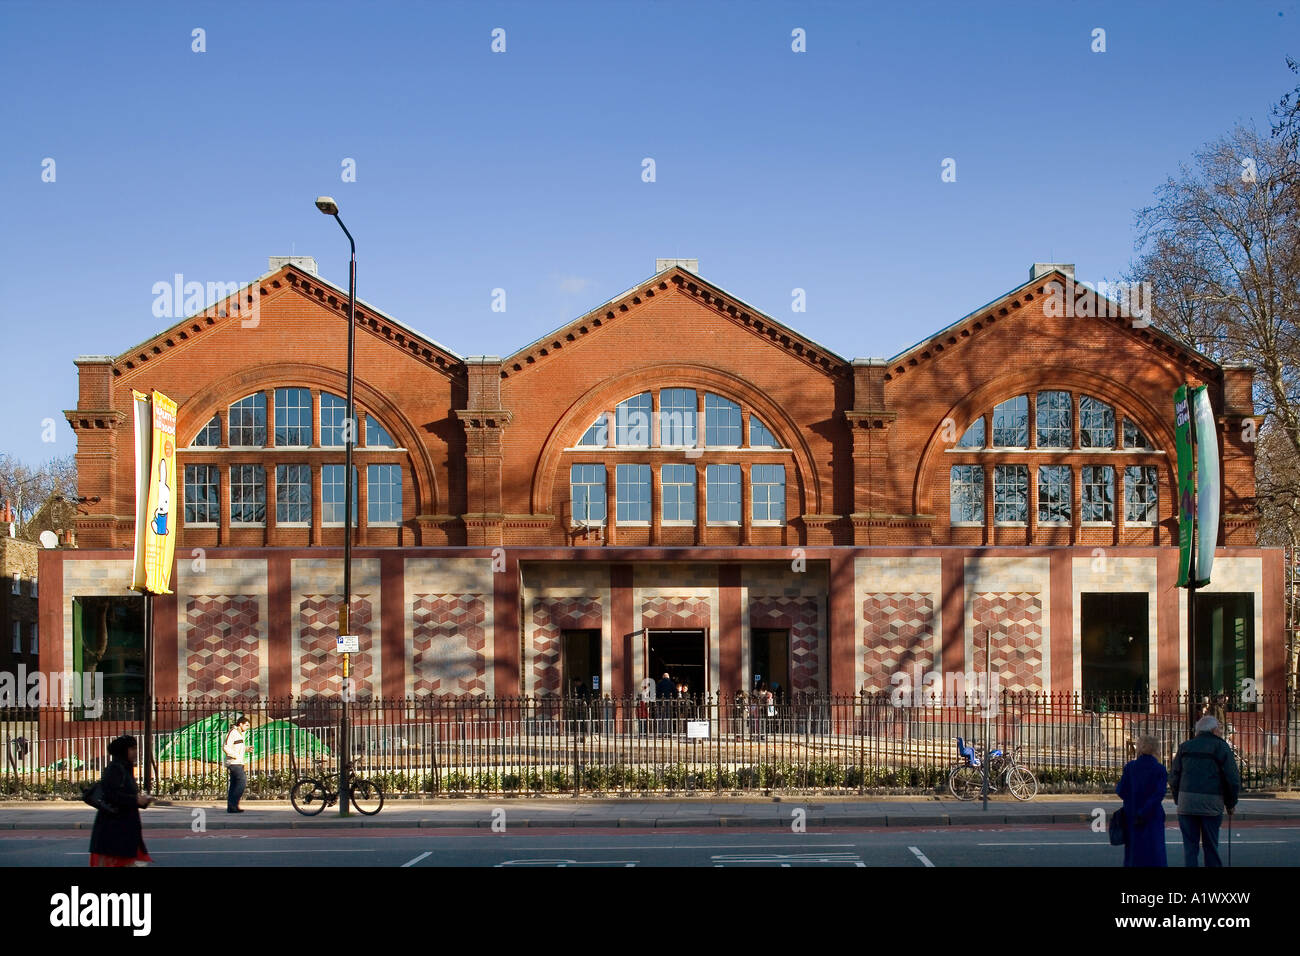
234 750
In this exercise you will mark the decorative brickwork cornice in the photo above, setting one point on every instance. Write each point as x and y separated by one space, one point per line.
236 308
1103 310
718 300
86 419
484 417
878 420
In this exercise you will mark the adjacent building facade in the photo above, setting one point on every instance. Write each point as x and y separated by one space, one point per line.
673 482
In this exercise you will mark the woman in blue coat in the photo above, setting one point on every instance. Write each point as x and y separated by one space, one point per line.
1142 788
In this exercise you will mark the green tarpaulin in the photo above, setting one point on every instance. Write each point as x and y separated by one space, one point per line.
203 740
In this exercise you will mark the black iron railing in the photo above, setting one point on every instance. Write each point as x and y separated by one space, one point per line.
430 746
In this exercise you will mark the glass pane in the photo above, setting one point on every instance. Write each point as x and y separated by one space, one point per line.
1011 493
202 502
678 411
721 421
1054 420
292 493
248 422
632 421
384 494
587 493
1140 490
292 417
1011 423
332 494
759 436
597 435
632 489
209 435
973 436
1055 493
722 492
966 492
333 415
1096 423
377 435
678 491
1098 493
1133 436
767 492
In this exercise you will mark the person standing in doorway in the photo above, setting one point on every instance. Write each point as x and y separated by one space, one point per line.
1204 782
234 750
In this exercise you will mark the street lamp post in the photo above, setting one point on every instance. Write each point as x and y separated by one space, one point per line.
330 208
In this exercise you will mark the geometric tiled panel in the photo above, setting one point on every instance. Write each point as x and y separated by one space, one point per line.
319 663
221 659
1014 621
801 615
550 616
671 612
897 634
448 643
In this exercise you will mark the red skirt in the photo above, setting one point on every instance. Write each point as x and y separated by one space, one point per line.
103 859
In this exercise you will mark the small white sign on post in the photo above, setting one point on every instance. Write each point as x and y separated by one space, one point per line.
697 730
349 644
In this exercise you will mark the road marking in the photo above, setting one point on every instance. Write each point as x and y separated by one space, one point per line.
920 856
418 858
788 859
566 863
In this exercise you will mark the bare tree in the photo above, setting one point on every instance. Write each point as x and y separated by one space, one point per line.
28 488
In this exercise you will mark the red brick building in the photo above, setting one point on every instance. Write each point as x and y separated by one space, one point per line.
673 481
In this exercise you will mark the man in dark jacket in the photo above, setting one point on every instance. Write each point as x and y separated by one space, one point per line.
117 838
1203 782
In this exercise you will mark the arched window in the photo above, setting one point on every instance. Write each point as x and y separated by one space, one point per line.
333 420
1096 423
632 422
1055 427
597 436
209 435
677 416
292 417
721 422
248 422
759 436
1011 423
1020 466
377 435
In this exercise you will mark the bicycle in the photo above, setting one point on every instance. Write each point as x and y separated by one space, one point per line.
966 779
311 795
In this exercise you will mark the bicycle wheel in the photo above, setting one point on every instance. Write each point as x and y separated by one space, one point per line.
308 797
965 782
367 797
1022 783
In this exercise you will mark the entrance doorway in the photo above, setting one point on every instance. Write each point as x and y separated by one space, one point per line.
580 663
769 657
682 655
1114 648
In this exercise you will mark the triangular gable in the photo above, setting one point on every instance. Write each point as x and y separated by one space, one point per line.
723 303
1102 309
240 304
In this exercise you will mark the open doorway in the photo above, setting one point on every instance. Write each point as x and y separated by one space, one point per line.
1114 647
769 656
580 663
682 655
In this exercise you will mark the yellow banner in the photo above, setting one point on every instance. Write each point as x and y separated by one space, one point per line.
156 521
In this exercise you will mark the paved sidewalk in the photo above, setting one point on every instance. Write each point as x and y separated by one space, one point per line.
615 812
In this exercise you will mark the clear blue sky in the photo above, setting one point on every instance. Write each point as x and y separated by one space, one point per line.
523 170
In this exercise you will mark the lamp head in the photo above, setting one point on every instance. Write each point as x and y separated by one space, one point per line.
327 205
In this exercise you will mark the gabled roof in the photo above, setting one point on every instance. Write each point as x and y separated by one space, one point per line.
306 283
729 306
1103 310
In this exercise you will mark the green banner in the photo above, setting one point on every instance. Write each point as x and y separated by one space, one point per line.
1186 482
1207 484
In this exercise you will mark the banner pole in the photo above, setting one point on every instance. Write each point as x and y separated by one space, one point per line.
147 749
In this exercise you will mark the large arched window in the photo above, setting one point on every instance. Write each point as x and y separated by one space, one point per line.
1052 459
678 456
284 482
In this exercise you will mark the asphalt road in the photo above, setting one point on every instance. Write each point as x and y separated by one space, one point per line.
1073 845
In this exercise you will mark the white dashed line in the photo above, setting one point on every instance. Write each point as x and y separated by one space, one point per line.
920 856
418 858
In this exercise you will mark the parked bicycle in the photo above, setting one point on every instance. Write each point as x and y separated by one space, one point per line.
966 779
311 795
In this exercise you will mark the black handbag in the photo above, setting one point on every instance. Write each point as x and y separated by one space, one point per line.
1119 828
94 796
